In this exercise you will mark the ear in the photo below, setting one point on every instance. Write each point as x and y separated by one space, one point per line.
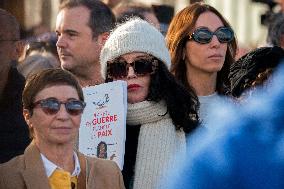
27 116
19 50
102 38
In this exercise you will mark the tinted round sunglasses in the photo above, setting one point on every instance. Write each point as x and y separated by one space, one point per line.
204 35
51 106
118 68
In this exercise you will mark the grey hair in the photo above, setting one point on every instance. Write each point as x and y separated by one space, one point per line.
37 61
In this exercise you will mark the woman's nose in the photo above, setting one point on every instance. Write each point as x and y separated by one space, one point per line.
62 113
215 41
131 73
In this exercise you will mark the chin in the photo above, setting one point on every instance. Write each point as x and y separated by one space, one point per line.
65 65
133 101
215 68
135 97
61 140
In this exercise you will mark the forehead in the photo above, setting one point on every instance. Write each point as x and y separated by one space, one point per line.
61 92
209 20
75 17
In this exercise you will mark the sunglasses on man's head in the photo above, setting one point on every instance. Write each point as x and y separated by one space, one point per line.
51 106
204 35
118 68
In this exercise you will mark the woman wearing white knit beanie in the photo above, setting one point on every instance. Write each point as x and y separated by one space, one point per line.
160 111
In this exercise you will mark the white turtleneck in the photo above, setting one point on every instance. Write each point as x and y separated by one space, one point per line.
205 102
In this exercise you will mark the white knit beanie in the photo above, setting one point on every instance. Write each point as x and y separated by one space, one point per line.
135 35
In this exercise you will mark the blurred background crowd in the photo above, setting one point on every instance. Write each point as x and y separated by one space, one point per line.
249 18
186 55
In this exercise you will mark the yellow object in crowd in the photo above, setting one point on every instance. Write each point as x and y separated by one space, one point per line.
61 179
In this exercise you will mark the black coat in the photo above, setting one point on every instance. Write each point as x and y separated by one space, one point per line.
14 134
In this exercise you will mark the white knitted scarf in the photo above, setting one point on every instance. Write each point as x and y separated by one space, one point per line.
160 145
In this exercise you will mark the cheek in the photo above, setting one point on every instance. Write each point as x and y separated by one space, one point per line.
146 88
77 121
193 48
195 53
144 93
39 126
90 51
140 94
95 46
39 120
146 82
225 48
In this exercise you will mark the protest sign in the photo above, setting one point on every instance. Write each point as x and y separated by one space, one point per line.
103 123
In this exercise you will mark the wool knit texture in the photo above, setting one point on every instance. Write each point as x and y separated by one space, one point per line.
135 35
159 143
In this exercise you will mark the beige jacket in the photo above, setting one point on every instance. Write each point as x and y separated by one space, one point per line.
27 172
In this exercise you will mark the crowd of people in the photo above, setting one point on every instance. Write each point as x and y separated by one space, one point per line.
197 117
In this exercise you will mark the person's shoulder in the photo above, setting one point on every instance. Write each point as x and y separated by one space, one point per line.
17 75
16 81
102 164
11 171
98 163
106 173
15 163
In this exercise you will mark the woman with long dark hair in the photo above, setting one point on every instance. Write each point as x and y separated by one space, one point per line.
202 46
160 110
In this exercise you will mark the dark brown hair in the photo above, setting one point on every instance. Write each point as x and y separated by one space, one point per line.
183 24
101 18
46 78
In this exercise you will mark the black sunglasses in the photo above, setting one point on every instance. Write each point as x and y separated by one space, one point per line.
51 106
118 68
204 35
